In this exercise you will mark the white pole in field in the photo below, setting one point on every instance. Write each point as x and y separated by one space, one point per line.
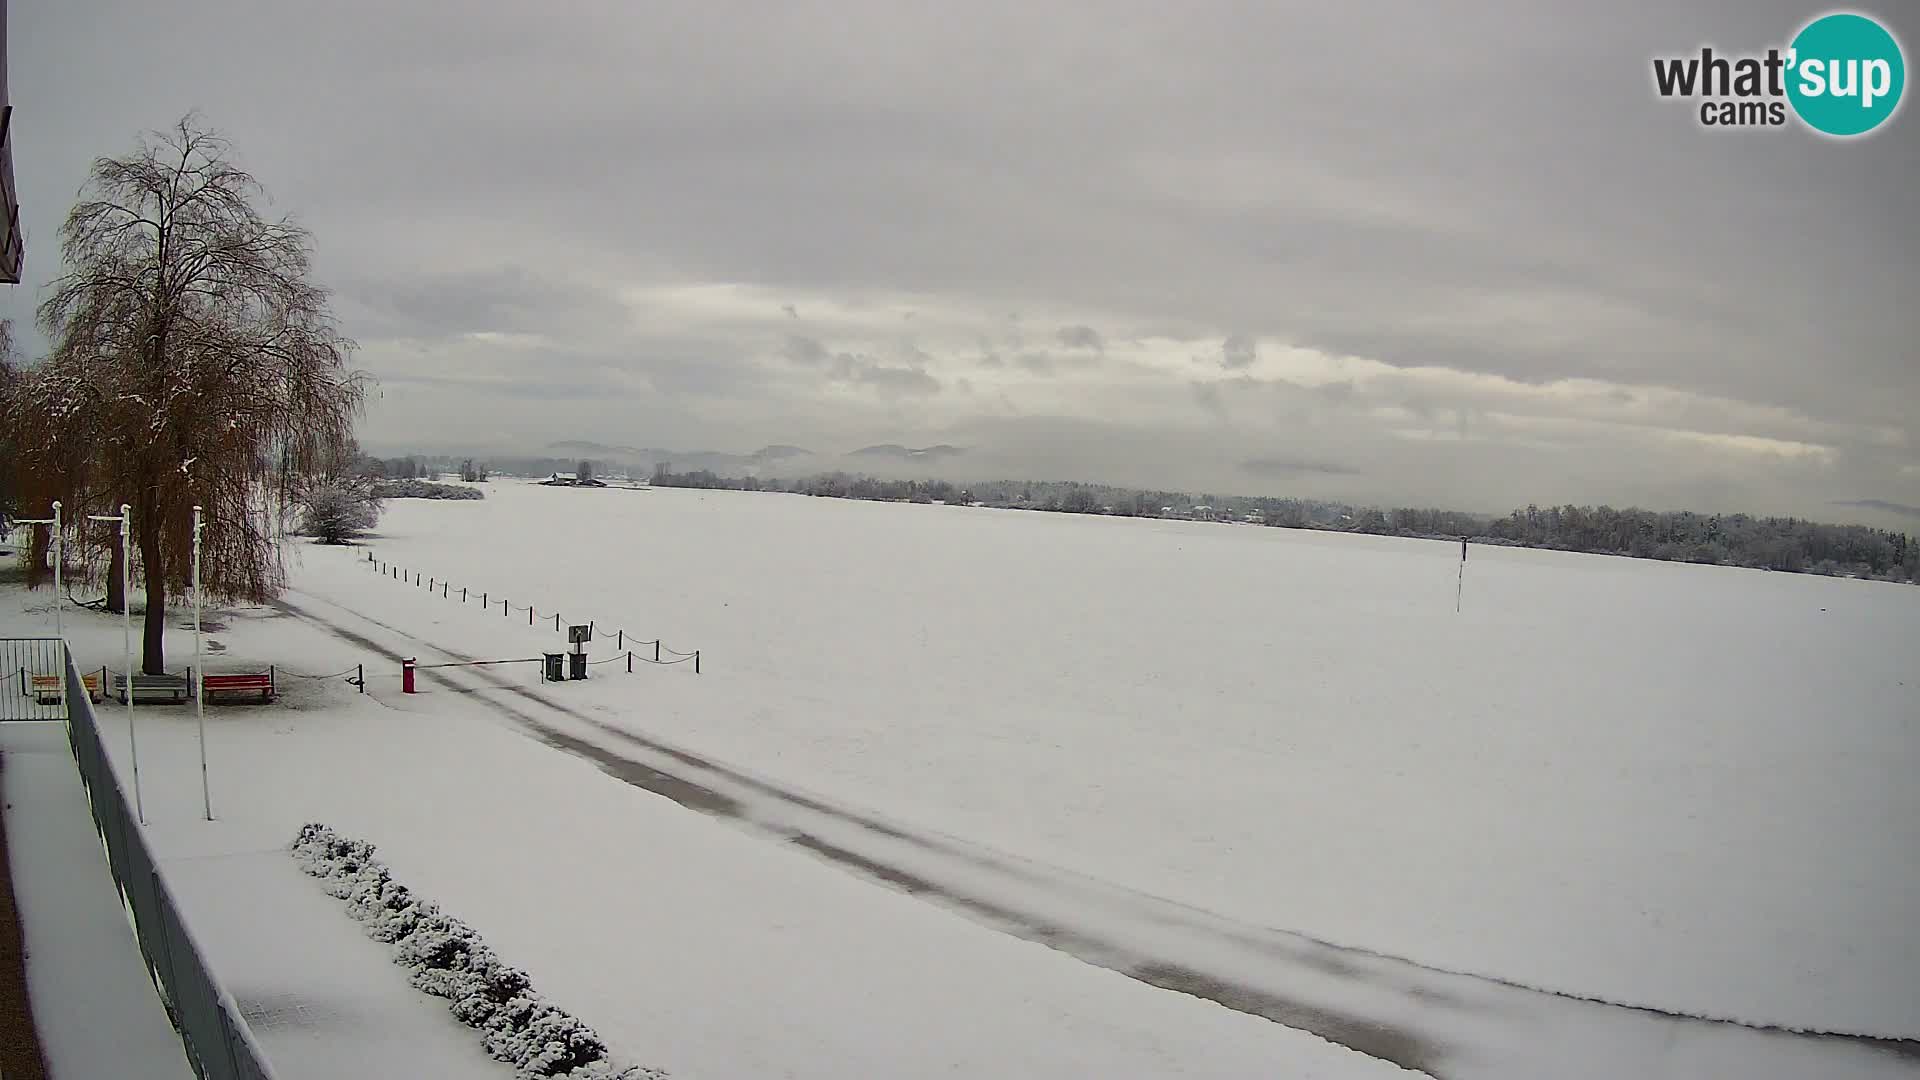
1461 582
199 673
59 597
125 519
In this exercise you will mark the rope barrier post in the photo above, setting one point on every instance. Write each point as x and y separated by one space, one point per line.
463 594
362 669
696 661
629 661
556 620
656 650
529 614
619 639
444 587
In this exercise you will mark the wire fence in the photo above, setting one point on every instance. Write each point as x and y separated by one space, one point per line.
31 680
623 641
218 1042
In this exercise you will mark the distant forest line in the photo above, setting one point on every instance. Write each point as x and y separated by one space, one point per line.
1788 544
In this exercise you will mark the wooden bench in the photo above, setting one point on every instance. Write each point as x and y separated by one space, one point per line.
46 688
243 682
153 689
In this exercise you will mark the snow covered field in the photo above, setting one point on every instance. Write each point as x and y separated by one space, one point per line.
687 944
1678 786
1681 787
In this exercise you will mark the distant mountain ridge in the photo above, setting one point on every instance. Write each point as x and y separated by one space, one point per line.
904 453
777 454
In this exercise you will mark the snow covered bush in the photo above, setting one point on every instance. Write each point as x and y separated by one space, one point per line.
446 958
338 511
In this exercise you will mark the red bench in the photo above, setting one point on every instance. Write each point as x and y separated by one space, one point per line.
251 682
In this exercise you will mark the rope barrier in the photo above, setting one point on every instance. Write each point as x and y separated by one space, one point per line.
506 607
299 675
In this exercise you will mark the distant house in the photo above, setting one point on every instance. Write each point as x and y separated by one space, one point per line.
567 479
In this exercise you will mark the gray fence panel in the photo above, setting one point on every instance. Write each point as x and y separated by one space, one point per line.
31 671
218 1042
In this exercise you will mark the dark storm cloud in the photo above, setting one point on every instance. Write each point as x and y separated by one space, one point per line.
898 380
702 202
1238 352
1081 337
889 379
805 351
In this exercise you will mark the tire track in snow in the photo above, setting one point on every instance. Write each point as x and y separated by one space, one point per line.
1441 1023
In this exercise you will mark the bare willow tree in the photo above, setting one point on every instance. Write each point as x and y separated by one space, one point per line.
194 361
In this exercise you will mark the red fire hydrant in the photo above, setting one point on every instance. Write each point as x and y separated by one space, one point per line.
406 675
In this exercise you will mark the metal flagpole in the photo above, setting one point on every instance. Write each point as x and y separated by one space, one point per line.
59 615
59 605
125 519
59 596
199 673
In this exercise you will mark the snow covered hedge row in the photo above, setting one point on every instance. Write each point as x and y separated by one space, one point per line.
447 959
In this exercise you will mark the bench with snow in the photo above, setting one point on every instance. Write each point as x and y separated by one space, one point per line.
153 689
46 688
236 682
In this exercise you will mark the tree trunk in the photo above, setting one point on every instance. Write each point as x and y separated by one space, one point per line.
39 552
116 595
153 655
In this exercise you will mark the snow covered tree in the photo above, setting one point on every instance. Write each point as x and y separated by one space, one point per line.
338 511
194 361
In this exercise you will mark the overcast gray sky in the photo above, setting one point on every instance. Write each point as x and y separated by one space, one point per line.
1448 254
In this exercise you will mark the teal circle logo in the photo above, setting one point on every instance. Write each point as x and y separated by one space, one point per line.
1845 74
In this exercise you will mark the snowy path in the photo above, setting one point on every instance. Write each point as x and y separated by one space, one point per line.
326 1001
93 1001
1444 1024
